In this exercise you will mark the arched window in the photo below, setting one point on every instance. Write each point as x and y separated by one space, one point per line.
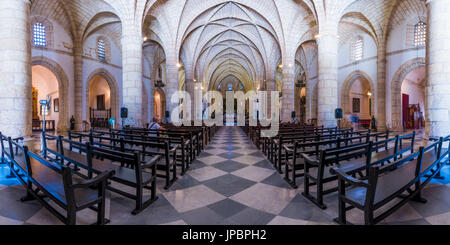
101 50
218 86
230 87
357 49
241 86
39 35
420 34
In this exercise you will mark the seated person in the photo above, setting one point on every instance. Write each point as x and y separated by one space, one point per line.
154 125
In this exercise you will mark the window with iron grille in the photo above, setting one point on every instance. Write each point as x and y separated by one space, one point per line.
101 50
420 34
39 35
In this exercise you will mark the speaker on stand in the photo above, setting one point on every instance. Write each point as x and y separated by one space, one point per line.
123 115
339 114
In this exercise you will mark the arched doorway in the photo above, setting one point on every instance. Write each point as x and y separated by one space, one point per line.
413 99
102 99
50 82
44 87
357 98
160 104
402 97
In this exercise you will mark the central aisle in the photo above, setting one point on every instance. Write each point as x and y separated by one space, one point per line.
231 182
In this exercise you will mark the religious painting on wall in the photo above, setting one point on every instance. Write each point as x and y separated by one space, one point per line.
56 105
356 105
35 112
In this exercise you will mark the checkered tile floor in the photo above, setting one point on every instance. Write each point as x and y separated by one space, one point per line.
231 183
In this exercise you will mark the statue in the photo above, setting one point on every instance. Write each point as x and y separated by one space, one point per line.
72 123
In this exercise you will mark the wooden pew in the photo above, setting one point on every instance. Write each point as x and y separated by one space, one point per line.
183 154
8 153
316 170
294 154
277 145
47 180
130 168
192 145
383 184
148 148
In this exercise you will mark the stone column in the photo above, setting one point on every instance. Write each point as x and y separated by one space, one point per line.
381 89
287 104
78 79
190 89
151 100
328 71
271 85
437 108
172 86
15 68
132 71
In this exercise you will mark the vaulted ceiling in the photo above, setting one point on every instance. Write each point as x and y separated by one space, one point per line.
216 40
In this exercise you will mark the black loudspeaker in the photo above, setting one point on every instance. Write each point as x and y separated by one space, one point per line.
338 114
167 114
293 114
124 112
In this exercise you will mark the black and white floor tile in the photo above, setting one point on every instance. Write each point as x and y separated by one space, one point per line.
230 183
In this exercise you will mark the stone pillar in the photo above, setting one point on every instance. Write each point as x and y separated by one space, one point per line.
78 79
437 108
271 85
287 103
381 89
15 68
328 74
132 71
172 86
151 100
190 89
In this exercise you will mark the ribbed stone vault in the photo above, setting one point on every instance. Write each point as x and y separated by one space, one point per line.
268 44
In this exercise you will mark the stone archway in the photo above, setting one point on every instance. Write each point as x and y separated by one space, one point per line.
347 85
396 90
112 83
63 89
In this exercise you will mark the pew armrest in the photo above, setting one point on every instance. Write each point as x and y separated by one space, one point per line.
352 180
95 181
433 139
18 139
174 148
288 149
152 161
309 160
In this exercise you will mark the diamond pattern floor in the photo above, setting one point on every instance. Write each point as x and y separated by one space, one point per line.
231 183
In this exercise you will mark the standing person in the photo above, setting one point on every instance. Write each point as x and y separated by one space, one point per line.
354 119
374 124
